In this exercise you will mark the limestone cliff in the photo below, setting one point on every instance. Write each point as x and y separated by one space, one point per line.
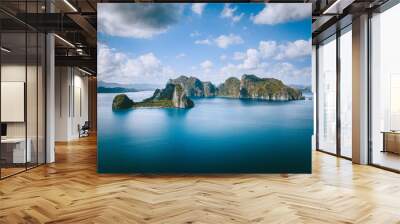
230 88
180 99
253 87
121 101
172 96
194 87
177 92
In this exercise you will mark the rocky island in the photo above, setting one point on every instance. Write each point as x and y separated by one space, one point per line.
194 87
253 87
172 96
248 87
177 92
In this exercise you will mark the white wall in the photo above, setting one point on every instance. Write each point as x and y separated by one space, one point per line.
62 82
71 87
12 73
17 73
33 126
81 108
13 100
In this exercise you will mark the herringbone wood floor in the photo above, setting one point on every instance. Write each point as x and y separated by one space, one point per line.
70 191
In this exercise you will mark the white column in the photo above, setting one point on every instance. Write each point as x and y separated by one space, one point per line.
63 100
50 92
50 99
360 90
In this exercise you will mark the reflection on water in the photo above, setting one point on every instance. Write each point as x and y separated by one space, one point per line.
218 135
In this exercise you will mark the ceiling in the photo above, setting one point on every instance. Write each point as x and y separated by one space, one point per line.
75 22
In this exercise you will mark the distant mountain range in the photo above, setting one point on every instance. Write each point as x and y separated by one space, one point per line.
102 89
302 88
109 87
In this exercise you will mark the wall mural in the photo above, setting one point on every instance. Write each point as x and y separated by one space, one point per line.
204 88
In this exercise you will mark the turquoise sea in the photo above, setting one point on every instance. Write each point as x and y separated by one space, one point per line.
218 135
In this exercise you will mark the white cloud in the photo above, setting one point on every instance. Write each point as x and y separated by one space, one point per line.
223 57
290 74
223 41
137 20
238 56
286 72
237 18
117 67
268 48
275 13
181 55
198 8
296 49
195 34
289 50
229 13
207 65
254 61
204 41
250 62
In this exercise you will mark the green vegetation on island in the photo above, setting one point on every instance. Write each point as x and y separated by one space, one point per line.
254 87
194 87
249 86
172 96
230 88
158 103
177 92
122 101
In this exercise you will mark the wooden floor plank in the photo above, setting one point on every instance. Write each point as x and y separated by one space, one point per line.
70 191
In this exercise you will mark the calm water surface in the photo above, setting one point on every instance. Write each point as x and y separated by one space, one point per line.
218 135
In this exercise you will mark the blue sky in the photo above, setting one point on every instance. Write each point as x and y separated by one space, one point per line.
150 43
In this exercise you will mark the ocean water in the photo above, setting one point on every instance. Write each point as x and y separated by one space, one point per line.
218 135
